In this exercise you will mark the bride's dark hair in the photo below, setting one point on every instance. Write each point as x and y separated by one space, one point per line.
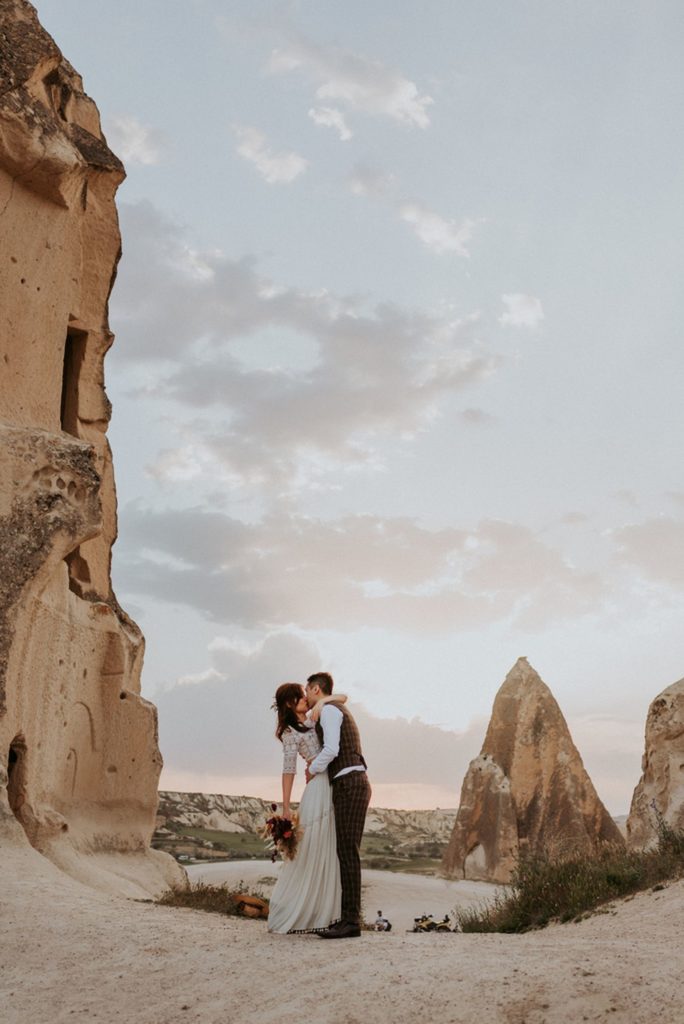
286 699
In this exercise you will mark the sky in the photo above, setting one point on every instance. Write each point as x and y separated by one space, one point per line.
397 375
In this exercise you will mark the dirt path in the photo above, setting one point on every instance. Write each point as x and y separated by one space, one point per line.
71 954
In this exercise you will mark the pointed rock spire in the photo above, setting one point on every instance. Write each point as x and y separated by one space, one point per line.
660 790
528 789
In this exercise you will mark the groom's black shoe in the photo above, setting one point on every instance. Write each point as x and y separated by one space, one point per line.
341 930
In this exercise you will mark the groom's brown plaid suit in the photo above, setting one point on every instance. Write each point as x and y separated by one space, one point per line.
351 794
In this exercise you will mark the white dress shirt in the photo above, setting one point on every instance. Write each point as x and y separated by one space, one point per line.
331 723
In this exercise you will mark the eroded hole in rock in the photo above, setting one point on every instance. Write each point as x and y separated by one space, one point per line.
58 93
16 775
74 355
476 862
79 573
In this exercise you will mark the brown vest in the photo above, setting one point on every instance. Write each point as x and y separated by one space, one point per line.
350 753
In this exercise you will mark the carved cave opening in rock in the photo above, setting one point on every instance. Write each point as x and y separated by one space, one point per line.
74 356
79 573
16 775
58 93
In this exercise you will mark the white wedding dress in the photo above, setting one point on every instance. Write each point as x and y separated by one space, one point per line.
308 893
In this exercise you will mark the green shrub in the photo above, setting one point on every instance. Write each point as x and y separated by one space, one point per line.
546 888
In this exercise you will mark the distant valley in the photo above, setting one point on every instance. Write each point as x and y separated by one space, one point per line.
210 826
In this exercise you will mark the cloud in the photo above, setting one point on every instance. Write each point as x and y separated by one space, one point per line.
377 375
574 518
221 722
133 141
365 86
655 547
521 311
369 182
330 117
370 372
611 746
275 168
435 232
356 571
476 417
168 294
626 496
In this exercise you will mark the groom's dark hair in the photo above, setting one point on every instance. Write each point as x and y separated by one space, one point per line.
324 680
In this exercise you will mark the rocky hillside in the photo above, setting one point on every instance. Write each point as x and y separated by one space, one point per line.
211 811
411 827
214 825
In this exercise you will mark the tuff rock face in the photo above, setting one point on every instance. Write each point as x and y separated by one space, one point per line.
79 761
660 790
528 789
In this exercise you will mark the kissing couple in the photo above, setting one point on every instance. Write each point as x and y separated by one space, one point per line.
320 890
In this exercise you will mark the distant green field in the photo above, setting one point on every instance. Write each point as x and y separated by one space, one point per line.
243 844
406 865
374 845
379 851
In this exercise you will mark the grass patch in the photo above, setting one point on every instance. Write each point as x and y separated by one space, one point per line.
382 853
216 899
232 845
405 865
547 888
241 844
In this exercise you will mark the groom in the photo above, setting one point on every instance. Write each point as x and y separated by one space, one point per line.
342 758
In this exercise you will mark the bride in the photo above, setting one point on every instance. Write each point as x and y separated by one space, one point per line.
307 894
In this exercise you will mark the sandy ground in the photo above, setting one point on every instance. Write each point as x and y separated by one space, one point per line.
68 953
400 897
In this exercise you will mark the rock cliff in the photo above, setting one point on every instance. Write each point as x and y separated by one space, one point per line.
528 789
79 761
660 790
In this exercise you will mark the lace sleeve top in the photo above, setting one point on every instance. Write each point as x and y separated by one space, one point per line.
306 744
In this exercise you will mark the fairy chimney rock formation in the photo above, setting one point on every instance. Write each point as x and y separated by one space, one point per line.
527 790
660 791
79 761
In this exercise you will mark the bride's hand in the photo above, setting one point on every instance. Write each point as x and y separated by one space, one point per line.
286 811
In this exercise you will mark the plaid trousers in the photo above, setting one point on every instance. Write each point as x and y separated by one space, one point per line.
351 795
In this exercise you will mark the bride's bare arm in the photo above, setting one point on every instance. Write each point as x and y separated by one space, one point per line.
288 781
